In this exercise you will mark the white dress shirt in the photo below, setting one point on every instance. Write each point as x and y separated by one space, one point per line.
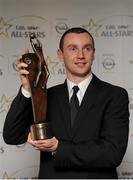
27 94
82 87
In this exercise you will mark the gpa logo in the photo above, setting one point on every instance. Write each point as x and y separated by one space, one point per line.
108 63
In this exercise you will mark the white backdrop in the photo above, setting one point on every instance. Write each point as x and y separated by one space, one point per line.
111 24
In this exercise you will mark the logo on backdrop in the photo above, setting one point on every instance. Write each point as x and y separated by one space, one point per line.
93 27
5 103
61 27
108 63
4 27
22 26
111 27
19 173
106 27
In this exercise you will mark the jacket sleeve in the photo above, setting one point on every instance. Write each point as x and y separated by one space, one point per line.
18 120
108 150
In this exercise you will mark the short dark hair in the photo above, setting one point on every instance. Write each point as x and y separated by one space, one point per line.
77 30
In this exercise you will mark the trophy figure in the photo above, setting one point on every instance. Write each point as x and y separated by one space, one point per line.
37 77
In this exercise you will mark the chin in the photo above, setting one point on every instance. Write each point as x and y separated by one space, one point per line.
82 74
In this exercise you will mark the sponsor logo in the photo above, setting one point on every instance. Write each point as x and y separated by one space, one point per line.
110 27
108 63
22 26
61 27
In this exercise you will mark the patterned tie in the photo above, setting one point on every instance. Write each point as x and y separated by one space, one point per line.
74 104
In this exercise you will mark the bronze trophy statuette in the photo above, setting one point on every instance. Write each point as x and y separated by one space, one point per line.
38 76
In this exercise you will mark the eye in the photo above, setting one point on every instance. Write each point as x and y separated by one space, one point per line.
88 48
72 48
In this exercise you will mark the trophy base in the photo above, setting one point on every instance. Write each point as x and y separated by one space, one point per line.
40 131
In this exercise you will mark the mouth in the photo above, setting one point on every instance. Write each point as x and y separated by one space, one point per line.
80 63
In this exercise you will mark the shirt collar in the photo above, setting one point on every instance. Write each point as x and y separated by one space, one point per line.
82 85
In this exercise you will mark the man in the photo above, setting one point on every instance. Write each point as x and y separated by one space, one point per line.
91 146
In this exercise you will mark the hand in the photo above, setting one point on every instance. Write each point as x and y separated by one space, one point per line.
23 72
48 145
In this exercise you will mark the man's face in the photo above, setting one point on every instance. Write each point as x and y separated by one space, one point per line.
78 55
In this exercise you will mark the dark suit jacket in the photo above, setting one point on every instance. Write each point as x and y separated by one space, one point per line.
96 144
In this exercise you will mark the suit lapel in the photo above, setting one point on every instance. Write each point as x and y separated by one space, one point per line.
63 98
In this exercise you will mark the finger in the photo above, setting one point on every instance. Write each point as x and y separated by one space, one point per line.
29 138
19 58
44 143
22 65
22 68
44 146
23 72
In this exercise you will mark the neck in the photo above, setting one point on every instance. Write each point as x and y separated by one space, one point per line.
77 79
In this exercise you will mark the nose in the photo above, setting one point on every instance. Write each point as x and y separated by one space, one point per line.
80 54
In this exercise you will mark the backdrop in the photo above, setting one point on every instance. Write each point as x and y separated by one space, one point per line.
111 24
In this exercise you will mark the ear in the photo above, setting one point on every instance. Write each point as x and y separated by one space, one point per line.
60 55
94 55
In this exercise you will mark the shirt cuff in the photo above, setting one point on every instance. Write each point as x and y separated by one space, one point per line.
25 93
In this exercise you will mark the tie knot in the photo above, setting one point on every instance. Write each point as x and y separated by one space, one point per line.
75 89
